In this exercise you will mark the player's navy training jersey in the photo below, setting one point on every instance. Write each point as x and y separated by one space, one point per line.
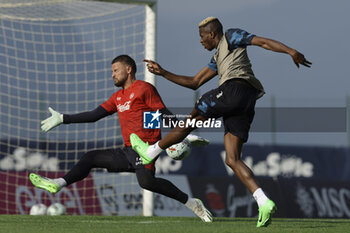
130 104
231 58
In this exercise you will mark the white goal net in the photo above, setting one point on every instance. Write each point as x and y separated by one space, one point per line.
58 53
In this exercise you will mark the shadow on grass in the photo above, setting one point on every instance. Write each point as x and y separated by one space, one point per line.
309 223
314 220
216 219
313 223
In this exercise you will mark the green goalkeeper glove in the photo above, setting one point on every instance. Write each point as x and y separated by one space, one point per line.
54 120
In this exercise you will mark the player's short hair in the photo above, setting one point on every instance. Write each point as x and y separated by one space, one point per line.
212 24
126 60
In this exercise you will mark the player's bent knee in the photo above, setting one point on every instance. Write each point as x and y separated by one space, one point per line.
146 181
146 184
231 161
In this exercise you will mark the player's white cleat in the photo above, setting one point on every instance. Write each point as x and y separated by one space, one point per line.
197 141
199 209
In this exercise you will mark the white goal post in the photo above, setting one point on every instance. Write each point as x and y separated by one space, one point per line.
57 53
150 53
150 31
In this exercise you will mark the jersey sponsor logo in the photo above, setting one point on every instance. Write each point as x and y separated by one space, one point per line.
124 107
151 120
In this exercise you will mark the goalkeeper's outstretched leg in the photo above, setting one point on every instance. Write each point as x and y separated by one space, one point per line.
122 160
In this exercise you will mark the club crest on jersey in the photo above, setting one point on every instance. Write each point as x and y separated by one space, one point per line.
131 95
151 120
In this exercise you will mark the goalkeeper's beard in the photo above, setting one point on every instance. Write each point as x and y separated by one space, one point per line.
119 83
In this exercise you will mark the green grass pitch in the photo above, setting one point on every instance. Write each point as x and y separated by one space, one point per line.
101 224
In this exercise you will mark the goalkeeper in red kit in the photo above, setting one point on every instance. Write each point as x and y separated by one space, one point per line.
134 98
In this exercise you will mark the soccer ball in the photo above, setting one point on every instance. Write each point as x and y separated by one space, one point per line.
56 209
38 209
180 150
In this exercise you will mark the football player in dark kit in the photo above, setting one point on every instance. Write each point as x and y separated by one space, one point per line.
234 99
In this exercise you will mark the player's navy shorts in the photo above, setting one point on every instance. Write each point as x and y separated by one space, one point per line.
122 160
234 100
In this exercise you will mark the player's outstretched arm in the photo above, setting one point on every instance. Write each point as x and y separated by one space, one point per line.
51 122
277 46
192 82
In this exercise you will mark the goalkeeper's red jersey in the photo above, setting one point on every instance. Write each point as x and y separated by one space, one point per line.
130 104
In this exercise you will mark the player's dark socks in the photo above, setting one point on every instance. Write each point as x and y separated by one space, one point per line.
147 181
